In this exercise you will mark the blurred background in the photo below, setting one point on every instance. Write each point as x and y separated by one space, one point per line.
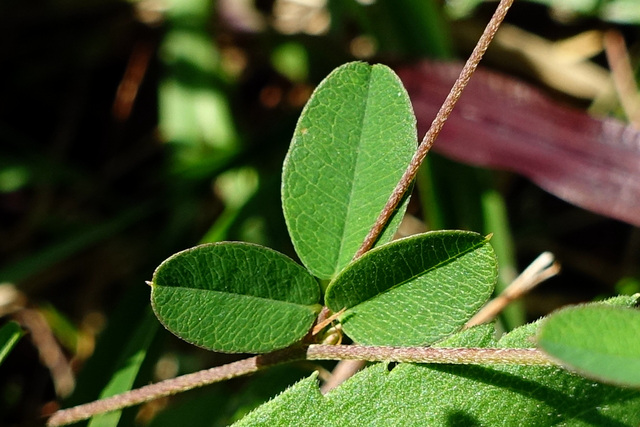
130 130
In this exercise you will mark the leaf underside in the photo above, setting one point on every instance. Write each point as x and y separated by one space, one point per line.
354 139
416 290
235 297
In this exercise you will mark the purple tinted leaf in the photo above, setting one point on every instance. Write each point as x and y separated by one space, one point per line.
502 123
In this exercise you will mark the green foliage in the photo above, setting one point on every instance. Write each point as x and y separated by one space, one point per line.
141 128
621 11
235 297
348 151
350 147
198 122
444 395
127 368
439 279
599 341
452 395
10 333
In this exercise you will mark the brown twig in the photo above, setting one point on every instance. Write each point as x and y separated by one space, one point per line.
51 354
541 269
132 80
173 386
465 356
622 74
456 356
436 126
343 370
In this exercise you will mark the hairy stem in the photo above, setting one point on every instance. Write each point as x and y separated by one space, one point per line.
436 126
174 385
464 356
456 356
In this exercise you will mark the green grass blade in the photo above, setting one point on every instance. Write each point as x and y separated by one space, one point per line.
127 368
10 333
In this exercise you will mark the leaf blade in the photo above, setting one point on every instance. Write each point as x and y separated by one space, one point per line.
352 142
589 162
416 290
127 369
599 341
10 334
235 297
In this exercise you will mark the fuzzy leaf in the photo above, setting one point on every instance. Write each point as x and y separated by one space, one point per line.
352 143
416 290
235 297
446 395
598 341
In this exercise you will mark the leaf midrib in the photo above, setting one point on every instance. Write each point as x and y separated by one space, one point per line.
341 249
236 294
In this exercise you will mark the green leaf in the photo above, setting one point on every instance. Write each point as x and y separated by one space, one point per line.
416 290
449 395
353 141
477 336
235 297
598 341
127 368
446 395
10 333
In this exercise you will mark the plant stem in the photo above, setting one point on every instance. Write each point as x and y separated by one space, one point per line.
465 356
456 356
541 269
174 385
436 126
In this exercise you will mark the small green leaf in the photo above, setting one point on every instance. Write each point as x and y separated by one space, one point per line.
598 341
10 333
235 297
353 141
414 291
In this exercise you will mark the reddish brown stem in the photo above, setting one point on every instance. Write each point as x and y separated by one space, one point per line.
173 386
436 126
487 356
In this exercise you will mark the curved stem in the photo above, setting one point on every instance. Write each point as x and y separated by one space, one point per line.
436 126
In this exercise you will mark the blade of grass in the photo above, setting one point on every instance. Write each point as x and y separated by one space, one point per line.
127 368
9 336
